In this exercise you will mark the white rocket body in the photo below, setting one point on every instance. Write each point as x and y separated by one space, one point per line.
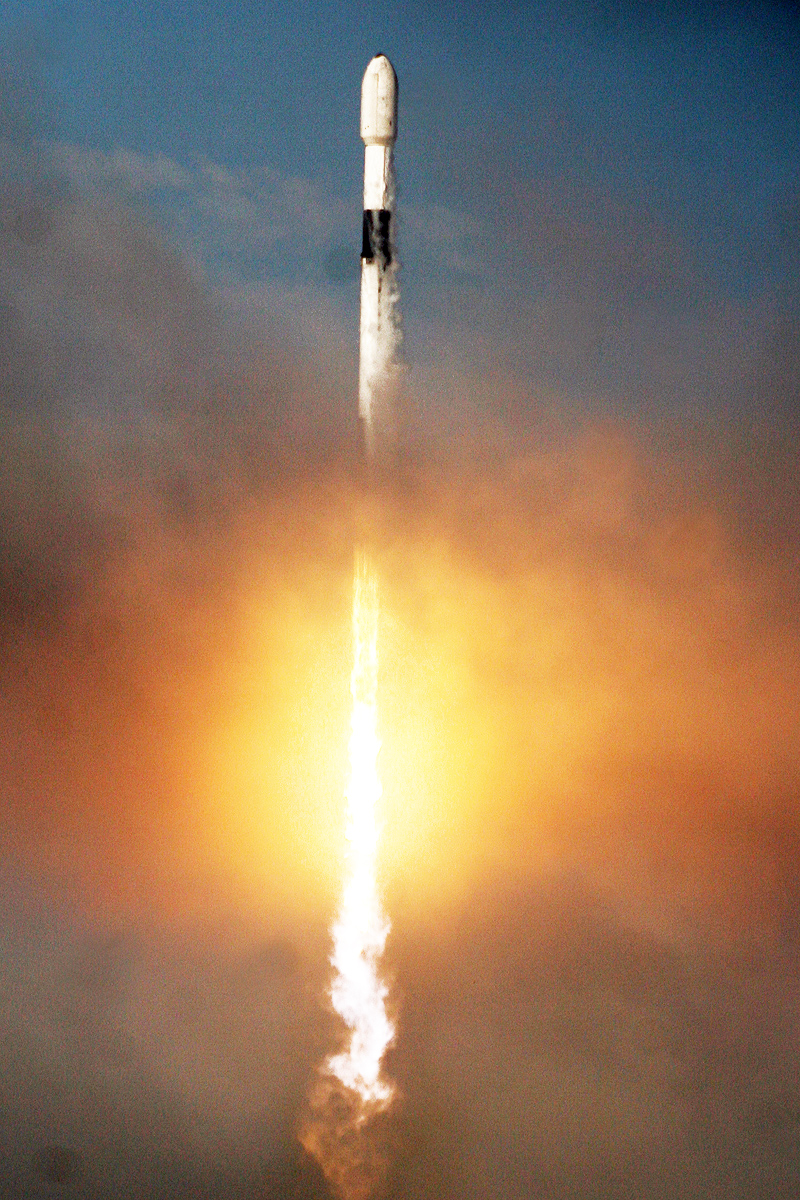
380 330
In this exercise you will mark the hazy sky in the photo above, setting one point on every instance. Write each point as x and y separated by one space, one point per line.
590 577
599 196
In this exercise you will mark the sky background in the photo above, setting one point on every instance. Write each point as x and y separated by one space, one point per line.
588 557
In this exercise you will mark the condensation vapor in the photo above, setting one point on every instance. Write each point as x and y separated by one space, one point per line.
380 368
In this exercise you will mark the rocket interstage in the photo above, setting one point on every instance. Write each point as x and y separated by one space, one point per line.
380 335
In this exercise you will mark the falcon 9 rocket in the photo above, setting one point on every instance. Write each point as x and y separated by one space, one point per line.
380 327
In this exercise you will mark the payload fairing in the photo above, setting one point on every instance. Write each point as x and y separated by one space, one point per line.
380 333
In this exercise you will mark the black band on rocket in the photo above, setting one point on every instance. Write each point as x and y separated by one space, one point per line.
375 241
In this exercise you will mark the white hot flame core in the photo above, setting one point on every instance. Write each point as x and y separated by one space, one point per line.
359 935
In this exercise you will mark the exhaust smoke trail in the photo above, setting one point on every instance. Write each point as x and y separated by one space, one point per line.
351 1089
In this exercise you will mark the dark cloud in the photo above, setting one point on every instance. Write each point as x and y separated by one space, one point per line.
154 1064
570 1054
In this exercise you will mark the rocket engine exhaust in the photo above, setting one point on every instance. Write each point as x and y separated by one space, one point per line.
350 1089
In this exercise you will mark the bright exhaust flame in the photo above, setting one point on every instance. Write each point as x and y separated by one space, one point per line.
359 935
351 1088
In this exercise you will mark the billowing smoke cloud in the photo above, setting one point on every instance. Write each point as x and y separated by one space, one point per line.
161 1025
590 761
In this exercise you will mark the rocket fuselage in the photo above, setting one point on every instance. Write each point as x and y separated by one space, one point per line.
379 331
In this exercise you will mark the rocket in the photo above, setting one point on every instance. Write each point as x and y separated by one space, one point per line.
379 328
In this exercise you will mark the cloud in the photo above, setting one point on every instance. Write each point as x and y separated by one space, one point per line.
120 168
589 685
236 221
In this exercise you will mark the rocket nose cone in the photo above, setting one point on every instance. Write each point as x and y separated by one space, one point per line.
379 102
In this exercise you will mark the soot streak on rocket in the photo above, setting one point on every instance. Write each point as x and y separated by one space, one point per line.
376 236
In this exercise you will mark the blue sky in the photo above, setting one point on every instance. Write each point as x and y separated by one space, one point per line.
600 200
